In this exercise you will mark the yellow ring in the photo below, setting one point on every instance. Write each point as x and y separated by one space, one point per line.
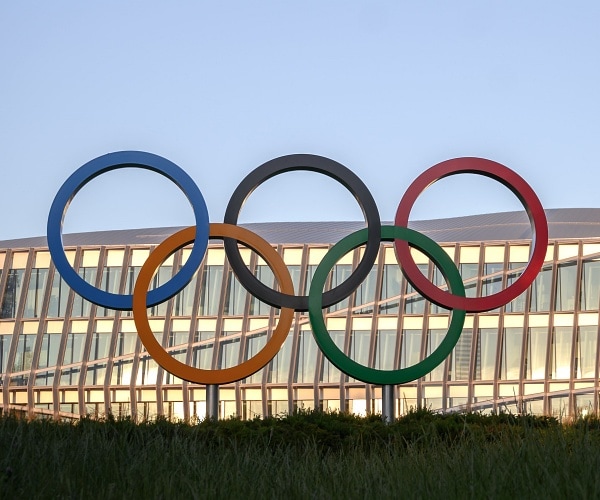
190 373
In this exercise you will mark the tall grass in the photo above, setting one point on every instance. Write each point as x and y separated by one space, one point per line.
308 455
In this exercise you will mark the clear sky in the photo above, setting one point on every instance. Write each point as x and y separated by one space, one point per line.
386 88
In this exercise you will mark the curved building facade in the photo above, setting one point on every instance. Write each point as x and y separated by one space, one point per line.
64 357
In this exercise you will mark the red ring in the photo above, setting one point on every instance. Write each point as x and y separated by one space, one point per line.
526 196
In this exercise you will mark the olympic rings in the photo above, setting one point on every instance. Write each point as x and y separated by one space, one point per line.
285 299
197 375
519 187
101 165
321 165
333 352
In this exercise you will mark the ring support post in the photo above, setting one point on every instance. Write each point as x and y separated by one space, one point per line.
387 404
212 401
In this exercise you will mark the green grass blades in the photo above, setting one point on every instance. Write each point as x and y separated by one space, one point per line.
304 455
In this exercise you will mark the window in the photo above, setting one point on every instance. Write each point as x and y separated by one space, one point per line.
540 291
414 302
235 297
389 300
12 293
565 287
365 293
212 281
518 304
512 344
254 344
487 342
265 275
307 358
535 362
329 373
585 354
562 340
411 348
81 307
35 293
57 307
385 349
460 359
590 291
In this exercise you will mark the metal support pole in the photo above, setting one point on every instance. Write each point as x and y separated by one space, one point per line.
212 401
387 403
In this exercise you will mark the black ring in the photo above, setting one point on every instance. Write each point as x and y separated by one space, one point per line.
321 165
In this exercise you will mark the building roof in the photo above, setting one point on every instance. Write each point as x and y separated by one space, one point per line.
564 223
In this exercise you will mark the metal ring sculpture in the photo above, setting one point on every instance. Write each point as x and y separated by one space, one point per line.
285 299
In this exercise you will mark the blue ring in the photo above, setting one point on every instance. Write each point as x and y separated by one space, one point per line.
106 163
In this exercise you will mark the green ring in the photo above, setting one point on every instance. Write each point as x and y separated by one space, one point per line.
348 365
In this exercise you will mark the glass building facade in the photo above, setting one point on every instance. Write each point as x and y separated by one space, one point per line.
64 357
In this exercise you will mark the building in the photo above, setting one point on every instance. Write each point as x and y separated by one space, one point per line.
64 357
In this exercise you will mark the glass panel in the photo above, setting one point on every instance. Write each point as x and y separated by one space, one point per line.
385 349
49 351
235 298
212 282
125 343
360 341
590 291
121 372
24 354
95 374
111 280
228 353
339 274
254 344
540 291
469 274
512 344
390 289
178 338
460 359
69 376
493 284
279 368
100 346
485 366
434 338
12 293
132 274
535 362
329 373
365 294
562 341
59 294
81 307
307 358
35 293
202 356
265 275
184 300
74 348
411 348
4 350
147 372
45 378
565 287
414 302
310 272
163 275
169 378
518 304
585 355
438 280
295 273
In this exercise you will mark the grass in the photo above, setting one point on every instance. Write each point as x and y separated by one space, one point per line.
305 455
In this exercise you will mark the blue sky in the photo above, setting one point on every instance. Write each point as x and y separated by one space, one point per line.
386 88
